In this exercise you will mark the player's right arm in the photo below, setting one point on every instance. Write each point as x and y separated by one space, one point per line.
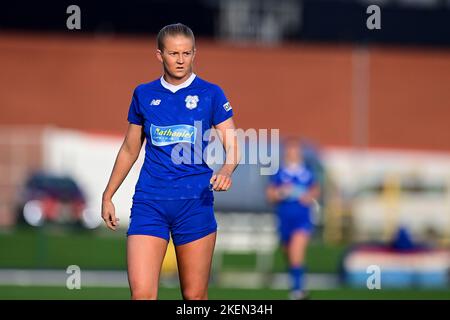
276 193
126 157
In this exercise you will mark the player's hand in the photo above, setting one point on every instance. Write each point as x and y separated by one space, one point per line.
221 181
285 191
306 199
109 214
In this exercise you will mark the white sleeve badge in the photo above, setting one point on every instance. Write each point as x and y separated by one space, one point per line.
227 106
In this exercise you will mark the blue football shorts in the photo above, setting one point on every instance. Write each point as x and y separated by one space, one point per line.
293 217
185 220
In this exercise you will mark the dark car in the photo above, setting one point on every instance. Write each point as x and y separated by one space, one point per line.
51 198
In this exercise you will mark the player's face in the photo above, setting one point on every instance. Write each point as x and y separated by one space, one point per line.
177 58
293 153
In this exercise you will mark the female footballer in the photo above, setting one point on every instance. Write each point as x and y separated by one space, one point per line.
293 190
174 193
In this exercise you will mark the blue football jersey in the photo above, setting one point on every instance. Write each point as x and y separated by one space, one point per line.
300 178
176 121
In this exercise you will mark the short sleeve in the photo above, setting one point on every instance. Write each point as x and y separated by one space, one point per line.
311 180
134 113
274 179
221 107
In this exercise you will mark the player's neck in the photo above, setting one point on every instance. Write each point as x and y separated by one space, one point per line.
176 81
174 88
292 164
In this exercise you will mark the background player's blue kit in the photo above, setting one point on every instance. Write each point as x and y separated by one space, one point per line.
292 214
172 194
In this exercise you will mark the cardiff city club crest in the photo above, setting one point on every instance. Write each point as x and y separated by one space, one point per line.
191 102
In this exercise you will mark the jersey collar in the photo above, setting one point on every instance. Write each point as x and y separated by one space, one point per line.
293 169
174 88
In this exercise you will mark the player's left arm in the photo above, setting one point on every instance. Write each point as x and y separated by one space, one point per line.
221 181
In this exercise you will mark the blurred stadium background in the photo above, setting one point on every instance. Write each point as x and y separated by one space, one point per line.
372 108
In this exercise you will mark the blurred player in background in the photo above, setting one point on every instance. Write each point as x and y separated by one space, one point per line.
174 193
294 190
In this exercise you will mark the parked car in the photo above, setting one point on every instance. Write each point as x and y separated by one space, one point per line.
49 198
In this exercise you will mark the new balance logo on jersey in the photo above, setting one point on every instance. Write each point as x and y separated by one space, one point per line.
155 102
